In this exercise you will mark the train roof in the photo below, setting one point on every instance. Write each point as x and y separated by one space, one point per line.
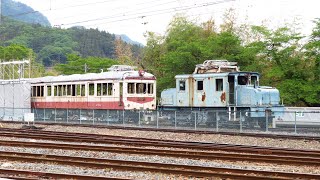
111 75
186 76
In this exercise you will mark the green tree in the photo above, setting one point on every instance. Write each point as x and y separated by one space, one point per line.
77 65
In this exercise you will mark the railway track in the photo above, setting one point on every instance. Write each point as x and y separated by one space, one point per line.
256 135
185 170
192 150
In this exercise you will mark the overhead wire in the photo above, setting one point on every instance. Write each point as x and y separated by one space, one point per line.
148 13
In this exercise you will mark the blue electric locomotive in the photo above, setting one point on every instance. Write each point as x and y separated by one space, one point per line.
220 86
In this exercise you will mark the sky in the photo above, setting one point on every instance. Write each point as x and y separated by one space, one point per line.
135 17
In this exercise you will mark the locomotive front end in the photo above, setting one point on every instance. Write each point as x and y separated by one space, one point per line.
260 102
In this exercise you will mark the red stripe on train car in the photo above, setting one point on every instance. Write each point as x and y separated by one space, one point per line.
79 105
140 100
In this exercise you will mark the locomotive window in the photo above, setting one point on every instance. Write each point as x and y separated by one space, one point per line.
242 80
110 87
48 90
141 88
254 80
68 90
83 90
219 85
200 85
91 89
150 88
182 85
130 88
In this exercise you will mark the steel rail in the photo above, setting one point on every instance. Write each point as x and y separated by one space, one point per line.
249 134
106 139
186 170
23 174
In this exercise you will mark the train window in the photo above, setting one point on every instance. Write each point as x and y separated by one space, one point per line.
91 89
48 90
68 90
41 91
150 88
141 88
55 90
199 85
219 84
242 80
110 87
59 90
99 90
182 85
83 89
130 88
64 90
105 89
73 90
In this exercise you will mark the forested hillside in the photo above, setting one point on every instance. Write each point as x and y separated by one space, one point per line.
19 11
52 45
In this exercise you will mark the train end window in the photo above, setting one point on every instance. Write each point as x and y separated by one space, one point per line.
219 84
199 85
182 85
150 88
141 88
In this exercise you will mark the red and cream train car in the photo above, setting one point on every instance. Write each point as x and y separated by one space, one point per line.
121 88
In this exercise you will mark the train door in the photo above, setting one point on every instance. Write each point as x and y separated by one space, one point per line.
231 90
120 93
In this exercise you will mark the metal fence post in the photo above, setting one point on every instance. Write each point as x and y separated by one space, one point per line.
67 115
157 119
123 117
195 120
217 121
44 114
55 115
240 122
295 122
267 117
92 116
80 116
175 119
108 117
139 117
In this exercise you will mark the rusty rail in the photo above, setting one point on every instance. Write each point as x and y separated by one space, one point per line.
186 170
23 174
